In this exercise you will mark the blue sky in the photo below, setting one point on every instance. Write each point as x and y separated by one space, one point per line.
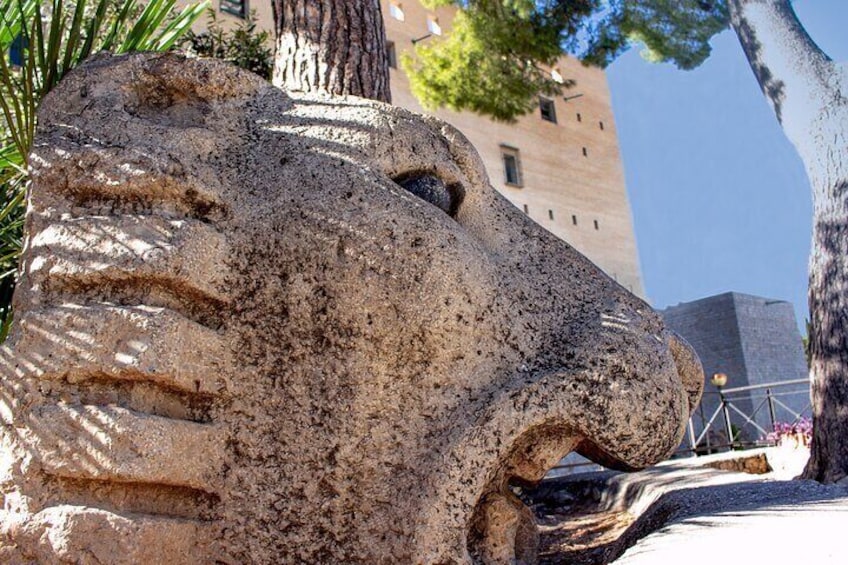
720 198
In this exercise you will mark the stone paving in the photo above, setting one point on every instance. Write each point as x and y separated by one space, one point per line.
694 511
772 522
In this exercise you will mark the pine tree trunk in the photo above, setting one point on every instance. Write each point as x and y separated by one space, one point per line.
828 294
331 46
808 93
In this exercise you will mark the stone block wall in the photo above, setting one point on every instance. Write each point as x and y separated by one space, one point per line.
754 341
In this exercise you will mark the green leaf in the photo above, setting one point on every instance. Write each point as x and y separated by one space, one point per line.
495 59
144 26
91 29
11 20
10 160
74 36
118 21
179 27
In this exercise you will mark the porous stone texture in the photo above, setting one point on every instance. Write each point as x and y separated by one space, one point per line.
239 340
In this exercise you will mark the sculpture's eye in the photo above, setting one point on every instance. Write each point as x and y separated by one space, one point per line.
433 189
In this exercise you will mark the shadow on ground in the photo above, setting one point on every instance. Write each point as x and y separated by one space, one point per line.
593 519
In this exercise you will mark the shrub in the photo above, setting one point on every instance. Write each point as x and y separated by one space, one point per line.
243 45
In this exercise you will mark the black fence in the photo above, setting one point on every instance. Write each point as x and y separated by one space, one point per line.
745 417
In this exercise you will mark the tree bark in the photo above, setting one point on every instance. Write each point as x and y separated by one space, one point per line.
807 91
331 46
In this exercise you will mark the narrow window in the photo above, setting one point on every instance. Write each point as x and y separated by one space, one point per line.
585 152
574 220
548 109
596 225
512 166
579 117
551 214
511 170
433 25
602 125
236 8
391 54
525 209
396 11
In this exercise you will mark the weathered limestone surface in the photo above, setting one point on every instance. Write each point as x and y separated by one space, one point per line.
239 339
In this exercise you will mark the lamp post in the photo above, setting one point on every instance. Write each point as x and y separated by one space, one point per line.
718 380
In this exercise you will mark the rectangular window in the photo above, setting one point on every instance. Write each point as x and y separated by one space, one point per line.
391 54
433 25
551 214
512 166
585 152
236 8
596 225
396 11
574 220
511 170
579 118
526 211
602 125
548 109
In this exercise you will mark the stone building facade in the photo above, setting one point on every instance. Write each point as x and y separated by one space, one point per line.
754 341
561 165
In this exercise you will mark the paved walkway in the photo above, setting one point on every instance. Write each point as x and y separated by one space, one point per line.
690 511
774 522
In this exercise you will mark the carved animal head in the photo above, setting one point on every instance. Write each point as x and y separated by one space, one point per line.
260 327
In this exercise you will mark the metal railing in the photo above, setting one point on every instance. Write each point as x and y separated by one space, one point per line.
745 409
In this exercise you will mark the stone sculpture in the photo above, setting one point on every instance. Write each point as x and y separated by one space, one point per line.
254 327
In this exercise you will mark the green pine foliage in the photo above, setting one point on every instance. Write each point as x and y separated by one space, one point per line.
669 31
49 38
495 61
491 63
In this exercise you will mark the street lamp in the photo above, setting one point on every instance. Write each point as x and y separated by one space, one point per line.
718 380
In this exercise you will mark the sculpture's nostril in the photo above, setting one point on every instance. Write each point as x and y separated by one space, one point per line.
689 368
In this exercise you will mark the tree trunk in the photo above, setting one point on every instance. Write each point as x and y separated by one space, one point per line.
331 46
808 93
